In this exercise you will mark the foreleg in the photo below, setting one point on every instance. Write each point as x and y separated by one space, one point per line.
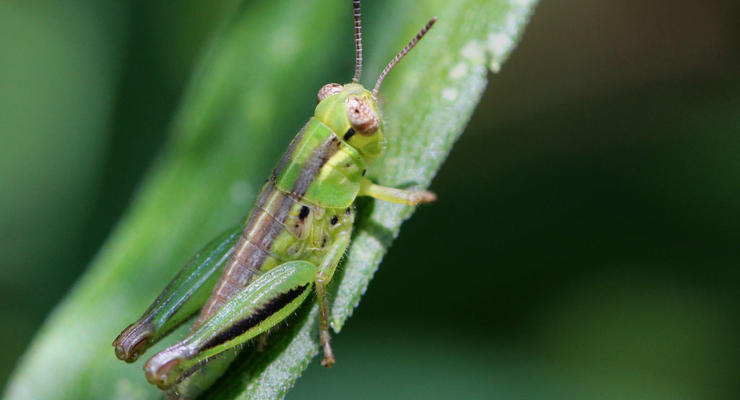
400 196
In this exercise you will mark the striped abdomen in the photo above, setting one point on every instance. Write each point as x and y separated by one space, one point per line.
297 223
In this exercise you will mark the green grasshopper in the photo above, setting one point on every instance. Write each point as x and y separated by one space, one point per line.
254 276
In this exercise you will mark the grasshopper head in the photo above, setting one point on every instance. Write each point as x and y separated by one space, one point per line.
350 110
353 114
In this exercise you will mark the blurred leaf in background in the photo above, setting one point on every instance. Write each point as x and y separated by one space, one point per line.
58 74
590 211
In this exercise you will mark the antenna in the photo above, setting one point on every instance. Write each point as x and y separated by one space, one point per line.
400 55
358 41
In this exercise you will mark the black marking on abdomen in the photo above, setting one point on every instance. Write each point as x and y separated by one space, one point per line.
304 213
349 134
241 326
334 220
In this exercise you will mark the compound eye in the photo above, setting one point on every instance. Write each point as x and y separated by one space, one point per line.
361 115
328 90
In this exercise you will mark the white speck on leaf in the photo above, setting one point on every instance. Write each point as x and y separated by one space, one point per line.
459 70
473 52
498 45
521 3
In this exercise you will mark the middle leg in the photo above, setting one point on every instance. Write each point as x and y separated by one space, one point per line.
323 277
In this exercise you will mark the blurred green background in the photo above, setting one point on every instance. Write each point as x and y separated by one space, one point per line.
585 240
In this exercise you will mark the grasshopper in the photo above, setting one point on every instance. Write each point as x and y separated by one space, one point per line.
254 276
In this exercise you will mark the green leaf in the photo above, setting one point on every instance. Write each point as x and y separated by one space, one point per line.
253 90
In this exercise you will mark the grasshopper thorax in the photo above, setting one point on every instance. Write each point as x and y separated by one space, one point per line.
352 113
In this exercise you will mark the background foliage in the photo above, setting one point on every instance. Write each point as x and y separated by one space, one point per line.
589 213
